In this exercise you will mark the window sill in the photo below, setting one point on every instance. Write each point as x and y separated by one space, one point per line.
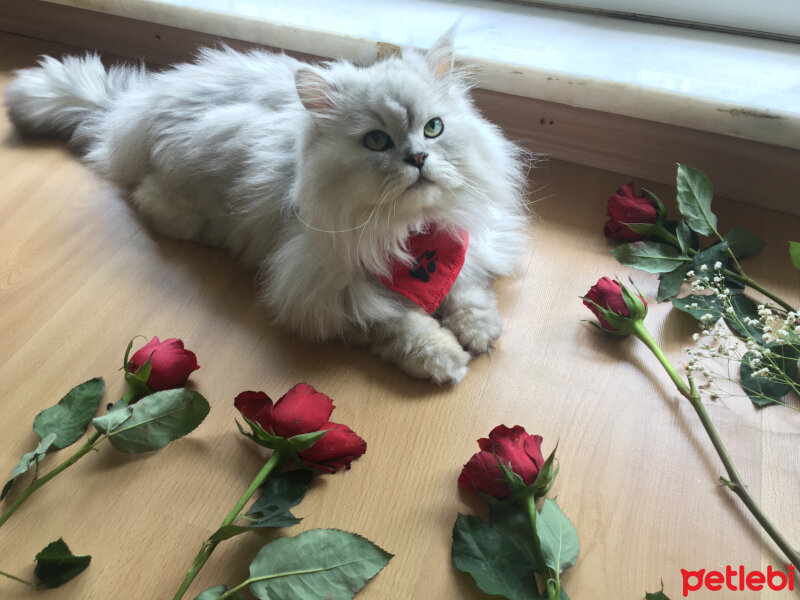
720 83
544 110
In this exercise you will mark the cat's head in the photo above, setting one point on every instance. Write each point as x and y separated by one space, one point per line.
395 145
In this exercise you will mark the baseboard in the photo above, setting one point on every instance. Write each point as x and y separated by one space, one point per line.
752 172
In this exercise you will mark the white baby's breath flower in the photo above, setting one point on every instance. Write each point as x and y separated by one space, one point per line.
717 265
703 268
706 317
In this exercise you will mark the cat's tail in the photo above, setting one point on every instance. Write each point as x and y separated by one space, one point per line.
63 97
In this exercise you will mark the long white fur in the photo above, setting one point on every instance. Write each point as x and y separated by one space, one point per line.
262 154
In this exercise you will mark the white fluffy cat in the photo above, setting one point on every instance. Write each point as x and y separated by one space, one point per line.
316 174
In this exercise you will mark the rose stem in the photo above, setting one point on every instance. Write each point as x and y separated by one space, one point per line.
553 593
741 277
208 546
734 481
94 440
25 581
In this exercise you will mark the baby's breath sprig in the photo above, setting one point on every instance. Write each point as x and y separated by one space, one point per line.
767 346
615 301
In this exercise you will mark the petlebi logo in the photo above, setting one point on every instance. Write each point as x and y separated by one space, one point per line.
738 580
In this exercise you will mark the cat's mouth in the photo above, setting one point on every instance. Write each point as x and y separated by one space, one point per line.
420 182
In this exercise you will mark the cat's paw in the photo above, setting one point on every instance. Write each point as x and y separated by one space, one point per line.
441 360
419 345
475 327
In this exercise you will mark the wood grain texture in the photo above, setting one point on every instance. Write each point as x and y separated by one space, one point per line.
80 275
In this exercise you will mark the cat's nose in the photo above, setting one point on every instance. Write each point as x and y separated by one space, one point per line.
416 160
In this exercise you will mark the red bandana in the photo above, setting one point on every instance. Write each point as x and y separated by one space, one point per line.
439 258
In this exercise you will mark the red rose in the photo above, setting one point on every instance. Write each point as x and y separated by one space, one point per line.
626 207
304 410
607 293
519 451
170 363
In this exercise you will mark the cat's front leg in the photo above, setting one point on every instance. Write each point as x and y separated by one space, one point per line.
470 312
421 347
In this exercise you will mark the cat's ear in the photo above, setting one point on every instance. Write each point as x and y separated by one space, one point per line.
315 91
441 57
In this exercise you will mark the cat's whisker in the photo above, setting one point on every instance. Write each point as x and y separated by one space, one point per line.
470 185
383 190
311 227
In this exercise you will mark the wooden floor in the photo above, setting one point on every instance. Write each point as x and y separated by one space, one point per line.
80 275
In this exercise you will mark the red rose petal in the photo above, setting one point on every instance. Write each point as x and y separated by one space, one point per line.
335 450
301 410
256 406
482 472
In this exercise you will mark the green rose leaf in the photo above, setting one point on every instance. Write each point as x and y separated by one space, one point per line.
115 416
700 306
708 258
684 235
215 592
497 566
669 284
158 419
557 536
782 365
744 307
319 563
660 595
513 523
27 461
652 257
679 229
695 193
71 416
55 564
794 254
743 243
280 493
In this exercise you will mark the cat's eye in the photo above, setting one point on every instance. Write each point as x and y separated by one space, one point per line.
433 128
377 140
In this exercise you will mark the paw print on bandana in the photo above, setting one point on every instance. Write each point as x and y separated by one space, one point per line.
424 266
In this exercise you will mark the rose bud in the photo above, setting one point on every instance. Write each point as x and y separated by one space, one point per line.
304 410
170 363
518 451
615 306
626 208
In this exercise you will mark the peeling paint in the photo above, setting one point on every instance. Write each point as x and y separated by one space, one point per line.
744 112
